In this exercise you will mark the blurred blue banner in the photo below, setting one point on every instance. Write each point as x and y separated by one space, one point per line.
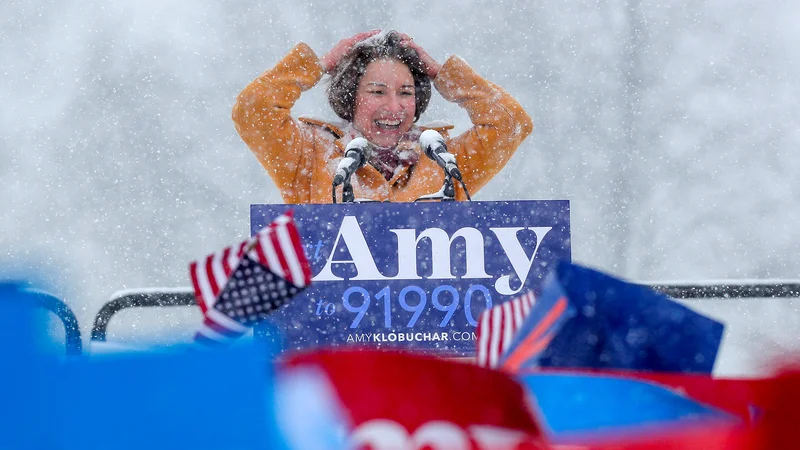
581 405
587 319
162 399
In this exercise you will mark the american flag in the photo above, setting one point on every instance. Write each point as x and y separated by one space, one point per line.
497 327
241 284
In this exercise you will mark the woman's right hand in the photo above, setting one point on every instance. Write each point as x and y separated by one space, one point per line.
332 58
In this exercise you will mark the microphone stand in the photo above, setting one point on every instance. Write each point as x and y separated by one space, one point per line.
448 191
347 192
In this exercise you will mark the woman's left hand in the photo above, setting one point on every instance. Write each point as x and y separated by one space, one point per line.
431 66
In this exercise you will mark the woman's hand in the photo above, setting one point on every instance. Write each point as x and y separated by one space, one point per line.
332 58
431 66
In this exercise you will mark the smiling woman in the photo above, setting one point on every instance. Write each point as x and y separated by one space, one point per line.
380 85
385 106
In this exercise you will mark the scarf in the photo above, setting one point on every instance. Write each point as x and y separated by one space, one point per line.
389 160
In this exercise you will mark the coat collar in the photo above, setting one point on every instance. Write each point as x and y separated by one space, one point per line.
408 147
407 150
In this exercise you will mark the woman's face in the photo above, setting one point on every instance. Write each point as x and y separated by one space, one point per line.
385 102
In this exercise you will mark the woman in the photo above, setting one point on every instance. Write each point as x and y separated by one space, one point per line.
380 85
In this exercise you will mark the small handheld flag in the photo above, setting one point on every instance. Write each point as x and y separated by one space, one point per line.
241 284
498 326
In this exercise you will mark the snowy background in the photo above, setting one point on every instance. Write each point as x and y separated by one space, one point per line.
672 128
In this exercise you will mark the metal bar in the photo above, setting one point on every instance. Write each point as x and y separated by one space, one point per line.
72 331
722 290
137 300
730 290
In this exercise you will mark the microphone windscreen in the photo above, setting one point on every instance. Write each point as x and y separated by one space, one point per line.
359 143
362 147
430 139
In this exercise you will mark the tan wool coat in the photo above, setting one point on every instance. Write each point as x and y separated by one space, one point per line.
301 155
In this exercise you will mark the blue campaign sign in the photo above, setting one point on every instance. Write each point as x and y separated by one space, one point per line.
415 275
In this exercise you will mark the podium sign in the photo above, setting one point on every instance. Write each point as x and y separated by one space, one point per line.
414 275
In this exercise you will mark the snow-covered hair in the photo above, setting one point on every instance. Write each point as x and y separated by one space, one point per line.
347 74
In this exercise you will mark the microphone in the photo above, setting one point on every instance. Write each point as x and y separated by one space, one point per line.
355 157
433 144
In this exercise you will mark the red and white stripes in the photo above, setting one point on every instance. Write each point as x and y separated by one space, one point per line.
277 246
497 327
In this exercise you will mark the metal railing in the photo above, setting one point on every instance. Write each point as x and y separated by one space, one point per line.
686 291
72 332
143 299
730 290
